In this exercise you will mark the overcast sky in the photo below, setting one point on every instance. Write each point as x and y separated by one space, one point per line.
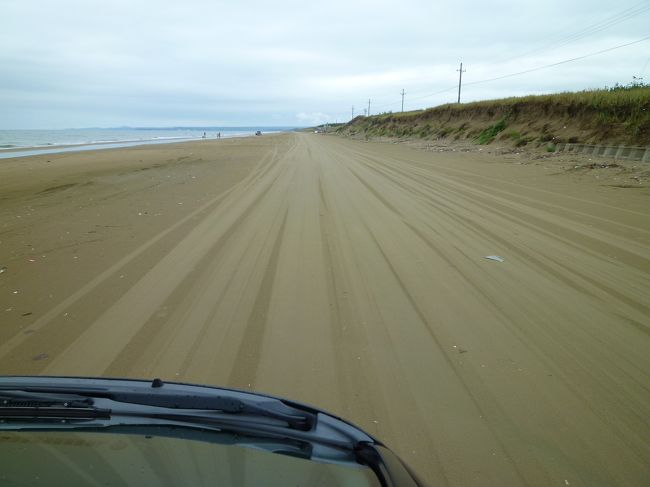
85 63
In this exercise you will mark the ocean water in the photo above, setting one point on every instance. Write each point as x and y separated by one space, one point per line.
14 142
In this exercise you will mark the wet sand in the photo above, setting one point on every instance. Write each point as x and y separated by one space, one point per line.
351 276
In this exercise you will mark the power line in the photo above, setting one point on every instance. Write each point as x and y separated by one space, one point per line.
510 75
558 63
604 24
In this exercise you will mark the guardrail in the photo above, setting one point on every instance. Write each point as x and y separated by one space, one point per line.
614 151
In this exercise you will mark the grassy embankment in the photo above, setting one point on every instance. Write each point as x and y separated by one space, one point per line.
613 116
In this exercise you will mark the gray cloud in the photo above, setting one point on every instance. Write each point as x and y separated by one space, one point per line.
95 63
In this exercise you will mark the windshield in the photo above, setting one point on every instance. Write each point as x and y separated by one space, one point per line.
149 458
429 219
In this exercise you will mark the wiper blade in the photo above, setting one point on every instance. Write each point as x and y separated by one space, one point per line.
15 405
21 398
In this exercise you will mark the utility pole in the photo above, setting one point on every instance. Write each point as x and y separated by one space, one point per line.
368 106
352 111
403 99
460 79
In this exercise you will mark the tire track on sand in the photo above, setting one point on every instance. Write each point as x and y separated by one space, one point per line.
248 356
117 326
8 346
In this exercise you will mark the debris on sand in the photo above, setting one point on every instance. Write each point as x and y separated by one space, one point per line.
495 257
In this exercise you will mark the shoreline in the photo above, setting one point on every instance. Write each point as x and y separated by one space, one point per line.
11 153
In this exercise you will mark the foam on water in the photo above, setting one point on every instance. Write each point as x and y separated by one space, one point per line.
14 142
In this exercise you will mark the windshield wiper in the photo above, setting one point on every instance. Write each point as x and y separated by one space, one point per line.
179 410
92 407
295 419
92 402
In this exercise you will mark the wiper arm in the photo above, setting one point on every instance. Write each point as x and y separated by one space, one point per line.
220 413
295 419
78 402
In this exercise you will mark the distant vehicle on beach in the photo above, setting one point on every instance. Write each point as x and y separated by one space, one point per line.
259 132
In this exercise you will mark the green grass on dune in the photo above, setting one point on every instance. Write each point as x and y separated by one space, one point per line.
617 115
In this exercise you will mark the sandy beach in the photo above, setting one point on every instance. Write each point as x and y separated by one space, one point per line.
352 276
